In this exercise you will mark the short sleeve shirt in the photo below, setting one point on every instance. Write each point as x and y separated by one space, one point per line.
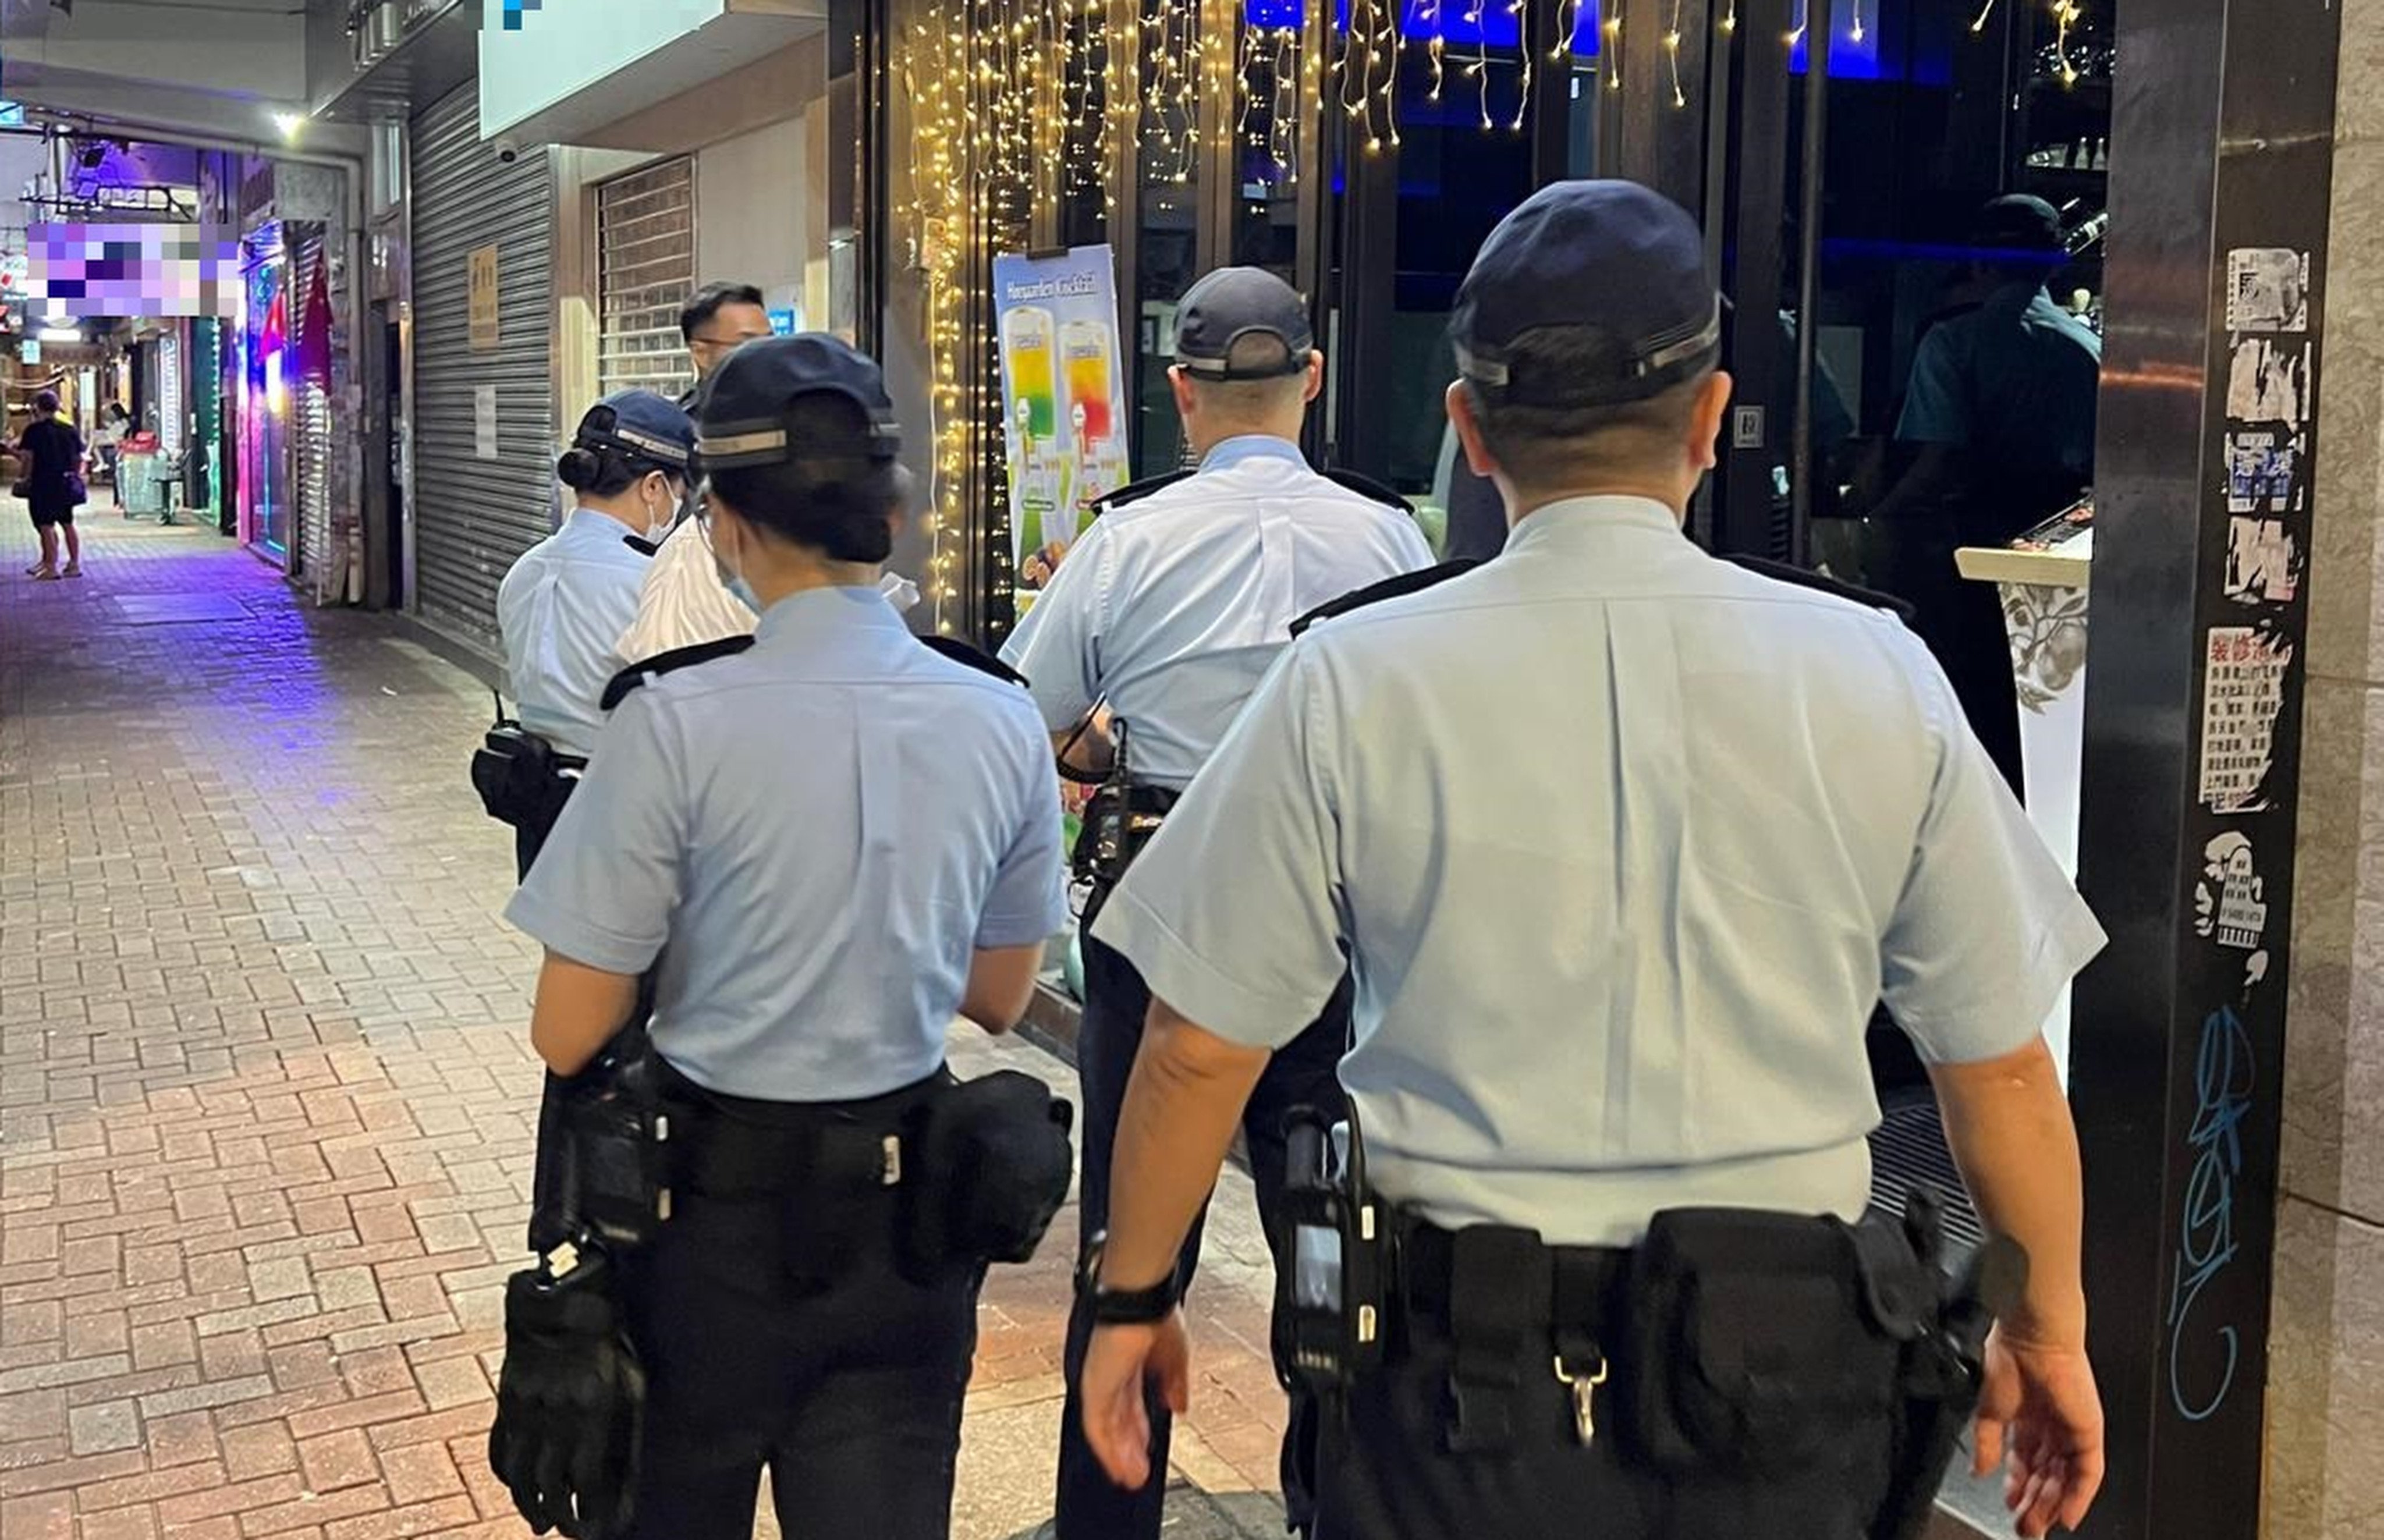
1173 606
561 611
1622 844
814 836
2015 380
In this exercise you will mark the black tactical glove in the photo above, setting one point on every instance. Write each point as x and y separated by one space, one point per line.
570 1403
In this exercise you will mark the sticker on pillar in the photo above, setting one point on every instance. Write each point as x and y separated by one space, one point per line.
2268 289
2267 381
2264 471
2264 564
2230 903
2242 688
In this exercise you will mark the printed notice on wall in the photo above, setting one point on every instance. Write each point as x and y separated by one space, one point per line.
2242 688
2268 289
481 302
2268 381
484 421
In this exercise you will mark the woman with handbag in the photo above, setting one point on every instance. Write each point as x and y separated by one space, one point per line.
52 454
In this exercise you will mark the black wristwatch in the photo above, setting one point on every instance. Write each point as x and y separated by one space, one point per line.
1122 1306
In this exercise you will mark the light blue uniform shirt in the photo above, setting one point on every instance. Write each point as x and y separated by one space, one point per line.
1173 605
2015 380
1624 843
561 611
823 831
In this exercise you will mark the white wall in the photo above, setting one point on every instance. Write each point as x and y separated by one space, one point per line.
754 221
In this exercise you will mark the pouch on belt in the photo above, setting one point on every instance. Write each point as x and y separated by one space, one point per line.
514 771
1757 1343
987 1163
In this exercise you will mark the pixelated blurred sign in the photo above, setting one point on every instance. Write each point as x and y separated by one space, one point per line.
132 269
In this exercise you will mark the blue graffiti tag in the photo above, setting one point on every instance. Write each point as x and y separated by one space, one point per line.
2222 1078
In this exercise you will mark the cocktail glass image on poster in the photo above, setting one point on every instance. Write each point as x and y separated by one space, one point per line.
1063 398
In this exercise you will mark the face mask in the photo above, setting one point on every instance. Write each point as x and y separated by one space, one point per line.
732 579
899 591
658 523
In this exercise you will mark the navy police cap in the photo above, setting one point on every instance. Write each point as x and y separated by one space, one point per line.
1612 263
743 412
1242 323
638 423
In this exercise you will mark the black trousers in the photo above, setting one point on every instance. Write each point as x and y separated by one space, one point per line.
1090 1506
847 1386
1386 1472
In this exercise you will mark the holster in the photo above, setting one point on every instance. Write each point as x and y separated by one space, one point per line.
603 1161
986 1167
1940 1367
515 770
1753 1342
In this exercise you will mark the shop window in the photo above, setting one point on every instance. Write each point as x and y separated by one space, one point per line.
645 231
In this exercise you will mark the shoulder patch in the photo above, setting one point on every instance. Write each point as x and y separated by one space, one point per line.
974 657
640 544
1371 490
1802 577
1390 588
1134 492
637 675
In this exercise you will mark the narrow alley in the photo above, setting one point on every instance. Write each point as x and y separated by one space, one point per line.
267 1097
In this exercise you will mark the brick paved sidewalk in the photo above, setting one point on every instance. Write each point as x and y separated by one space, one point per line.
266 1097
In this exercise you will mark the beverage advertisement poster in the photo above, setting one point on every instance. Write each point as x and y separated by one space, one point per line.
1063 399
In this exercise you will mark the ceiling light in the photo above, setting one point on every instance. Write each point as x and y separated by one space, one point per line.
60 335
290 123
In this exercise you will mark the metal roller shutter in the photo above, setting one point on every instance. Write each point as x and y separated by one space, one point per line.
475 516
310 423
645 231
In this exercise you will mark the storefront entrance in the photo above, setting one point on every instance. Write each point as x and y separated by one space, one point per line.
268 366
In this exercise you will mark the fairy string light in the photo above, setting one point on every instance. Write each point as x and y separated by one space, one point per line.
1522 68
2065 14
1568 28
1673 56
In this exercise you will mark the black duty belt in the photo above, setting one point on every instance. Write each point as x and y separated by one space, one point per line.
1155 802
1502 1294
737 1147
1552 1287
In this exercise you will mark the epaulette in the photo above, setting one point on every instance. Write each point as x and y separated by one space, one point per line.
637 675
974 657
640 544
1134 492
1370 489
1822 582
1390 588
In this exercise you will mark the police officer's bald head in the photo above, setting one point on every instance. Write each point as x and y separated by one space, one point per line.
1246 358
1588 341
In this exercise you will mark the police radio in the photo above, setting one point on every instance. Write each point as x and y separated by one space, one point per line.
1331 1297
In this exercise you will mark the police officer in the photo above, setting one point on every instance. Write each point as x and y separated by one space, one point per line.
1621 844
1171 607
835 841
562 608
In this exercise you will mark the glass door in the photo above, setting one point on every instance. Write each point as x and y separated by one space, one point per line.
269 364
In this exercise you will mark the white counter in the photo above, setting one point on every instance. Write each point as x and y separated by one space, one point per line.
2044 594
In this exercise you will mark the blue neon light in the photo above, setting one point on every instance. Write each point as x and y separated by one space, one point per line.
1460 24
